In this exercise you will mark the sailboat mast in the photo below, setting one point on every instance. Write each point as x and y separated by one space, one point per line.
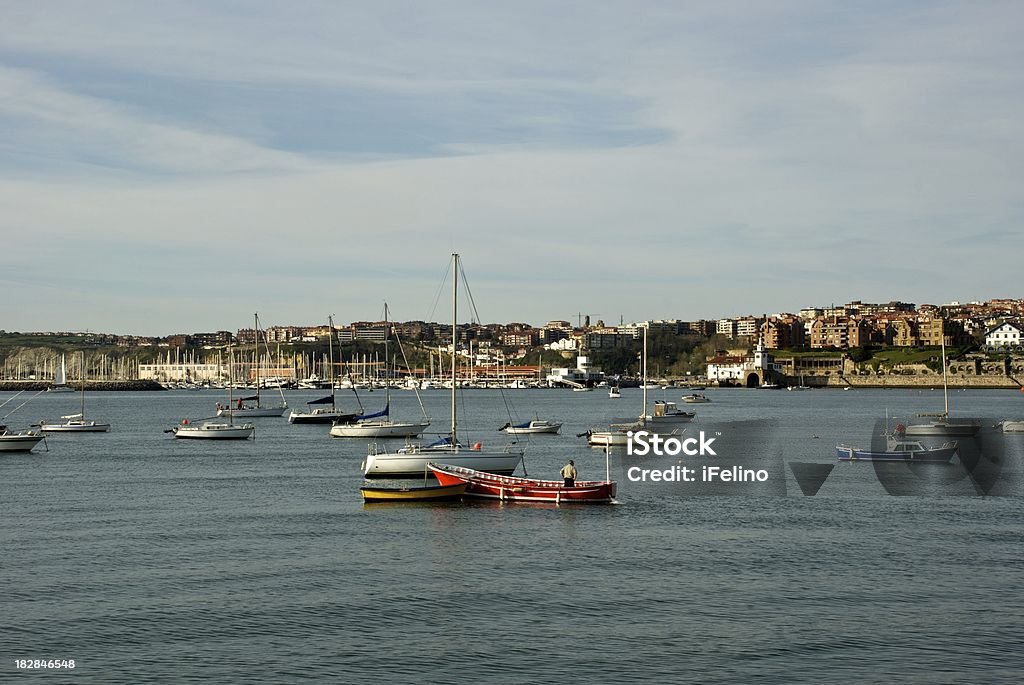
455 336
330 355
83 385
256 355
387 378
643 414
945 389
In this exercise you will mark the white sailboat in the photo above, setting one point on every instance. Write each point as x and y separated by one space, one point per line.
411 461
940 423
75 423
17 441
663 421
381 425
60 378
245 411
209 429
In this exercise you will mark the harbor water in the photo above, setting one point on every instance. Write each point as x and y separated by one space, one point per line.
147 559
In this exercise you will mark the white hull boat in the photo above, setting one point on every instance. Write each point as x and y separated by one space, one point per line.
74 424
19 442
411 461
210 430
531 427
379 429
1012 426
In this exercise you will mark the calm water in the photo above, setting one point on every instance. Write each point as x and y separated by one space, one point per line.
147 559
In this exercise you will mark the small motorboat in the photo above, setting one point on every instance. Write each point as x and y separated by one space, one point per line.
696 398
482 485
535 426
431 493
1012 426
614 392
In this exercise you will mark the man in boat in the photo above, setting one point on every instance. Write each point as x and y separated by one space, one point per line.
569 474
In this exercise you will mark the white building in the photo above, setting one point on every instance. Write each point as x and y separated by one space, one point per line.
1005 336
742 370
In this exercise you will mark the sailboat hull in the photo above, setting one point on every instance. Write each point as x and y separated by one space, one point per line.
326 416
75 427
255 412
18 442
379 429
413 463
215 431
942 428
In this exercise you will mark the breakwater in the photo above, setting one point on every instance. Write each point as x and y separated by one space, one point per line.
77 385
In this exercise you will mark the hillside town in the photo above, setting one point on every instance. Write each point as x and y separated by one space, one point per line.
818 345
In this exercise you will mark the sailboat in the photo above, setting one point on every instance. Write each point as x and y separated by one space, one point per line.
380 424
940 423
215 430
324 409
244 410
60 378
17 441
664 413
75 423
411 461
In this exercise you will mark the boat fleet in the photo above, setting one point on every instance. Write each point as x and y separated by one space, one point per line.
470 470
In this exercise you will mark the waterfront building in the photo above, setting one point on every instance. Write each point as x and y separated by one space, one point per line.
1006 336
750 370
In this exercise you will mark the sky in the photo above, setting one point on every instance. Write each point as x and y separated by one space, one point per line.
175 167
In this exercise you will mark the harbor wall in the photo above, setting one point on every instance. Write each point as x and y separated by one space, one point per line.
91 386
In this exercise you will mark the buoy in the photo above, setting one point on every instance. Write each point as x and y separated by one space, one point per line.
477 446
184 422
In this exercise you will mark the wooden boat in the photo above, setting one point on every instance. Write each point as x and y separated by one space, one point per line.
482 485
432 493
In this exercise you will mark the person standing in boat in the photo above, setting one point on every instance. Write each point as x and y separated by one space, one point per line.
569 474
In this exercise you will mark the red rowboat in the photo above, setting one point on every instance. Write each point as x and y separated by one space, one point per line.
510 488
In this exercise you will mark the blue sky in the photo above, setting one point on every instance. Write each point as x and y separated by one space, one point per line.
174 167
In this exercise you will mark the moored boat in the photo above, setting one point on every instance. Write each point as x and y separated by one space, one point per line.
899 449
21 441
668 412
530 427
214 430
940 423
74 423
411 460
514 489
431 493
696 398
1012 426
